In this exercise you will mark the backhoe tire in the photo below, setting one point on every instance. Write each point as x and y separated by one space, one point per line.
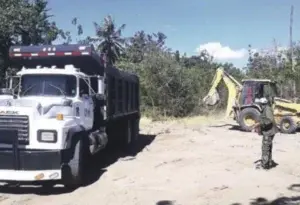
246 115
287 125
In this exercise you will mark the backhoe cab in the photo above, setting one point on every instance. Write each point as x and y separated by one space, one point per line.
247 111
241 105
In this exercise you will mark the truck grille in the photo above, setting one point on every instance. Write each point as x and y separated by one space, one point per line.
16 122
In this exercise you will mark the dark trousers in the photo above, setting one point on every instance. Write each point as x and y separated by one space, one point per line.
267 144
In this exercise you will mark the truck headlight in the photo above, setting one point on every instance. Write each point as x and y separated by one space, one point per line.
48 136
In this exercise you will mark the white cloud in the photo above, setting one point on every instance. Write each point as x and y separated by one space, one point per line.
220 52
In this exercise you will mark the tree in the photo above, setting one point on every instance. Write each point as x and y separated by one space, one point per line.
135 47
24 22
109 39
177 56
276 64
142 44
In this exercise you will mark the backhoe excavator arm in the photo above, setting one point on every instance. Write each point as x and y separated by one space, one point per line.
232 85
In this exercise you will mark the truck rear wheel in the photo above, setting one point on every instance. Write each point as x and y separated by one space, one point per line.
134 132
73 176
248 117
135 129
130 136
129 132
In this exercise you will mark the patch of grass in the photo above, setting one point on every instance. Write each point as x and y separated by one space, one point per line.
145 120
201 119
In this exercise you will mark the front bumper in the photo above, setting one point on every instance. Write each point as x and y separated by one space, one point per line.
29 176
30 165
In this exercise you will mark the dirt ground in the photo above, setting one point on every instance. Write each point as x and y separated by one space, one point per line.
182 163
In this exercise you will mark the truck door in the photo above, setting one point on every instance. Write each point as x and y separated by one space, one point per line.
86 111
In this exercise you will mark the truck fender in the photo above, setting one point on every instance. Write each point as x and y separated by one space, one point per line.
71 133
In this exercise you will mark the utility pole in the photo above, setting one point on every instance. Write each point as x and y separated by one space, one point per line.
292 52
291 37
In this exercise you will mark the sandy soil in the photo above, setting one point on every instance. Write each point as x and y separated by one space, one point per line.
182 163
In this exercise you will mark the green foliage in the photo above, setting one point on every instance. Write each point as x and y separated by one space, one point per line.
277 65
172 84
24 22
109 39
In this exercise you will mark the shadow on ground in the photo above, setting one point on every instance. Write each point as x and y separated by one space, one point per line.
238 128
165 202
96 168
231 126
294 200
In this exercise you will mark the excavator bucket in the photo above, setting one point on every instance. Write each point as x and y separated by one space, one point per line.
212 99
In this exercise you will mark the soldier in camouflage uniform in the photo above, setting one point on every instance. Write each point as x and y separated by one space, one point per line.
266 127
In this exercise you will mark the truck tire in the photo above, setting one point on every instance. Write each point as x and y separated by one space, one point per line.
136 129
129 132
73 176
134 133
287 125
247 118
130 138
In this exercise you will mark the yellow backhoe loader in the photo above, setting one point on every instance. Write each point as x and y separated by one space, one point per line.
241 104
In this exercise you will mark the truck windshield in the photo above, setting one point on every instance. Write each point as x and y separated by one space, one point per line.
48 85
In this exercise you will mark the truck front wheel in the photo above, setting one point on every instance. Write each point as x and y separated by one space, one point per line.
73 174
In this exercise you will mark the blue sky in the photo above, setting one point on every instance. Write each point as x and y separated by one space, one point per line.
212 24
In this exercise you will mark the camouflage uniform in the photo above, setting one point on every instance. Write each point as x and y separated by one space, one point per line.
267 129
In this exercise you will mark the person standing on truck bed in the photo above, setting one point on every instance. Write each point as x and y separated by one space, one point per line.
266 127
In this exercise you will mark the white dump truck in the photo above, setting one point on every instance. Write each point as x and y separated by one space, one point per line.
64 106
